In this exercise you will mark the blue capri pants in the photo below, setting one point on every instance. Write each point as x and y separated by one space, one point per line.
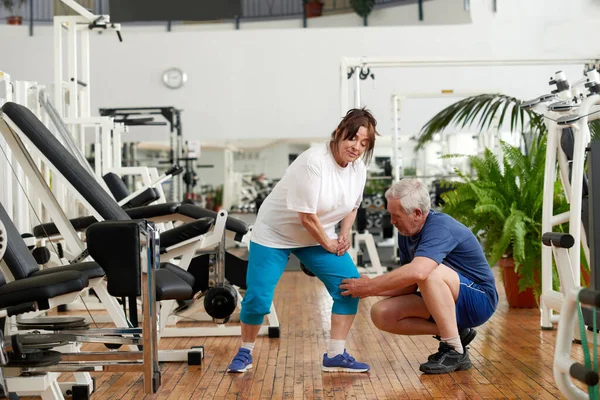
266 265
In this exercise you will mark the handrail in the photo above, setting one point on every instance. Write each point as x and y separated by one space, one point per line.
43 10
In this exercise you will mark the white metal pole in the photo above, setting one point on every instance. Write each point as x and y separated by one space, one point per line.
357 89
343 88
84 92
547 212
397 62
20 197
6 194
72 75
396 171
58 67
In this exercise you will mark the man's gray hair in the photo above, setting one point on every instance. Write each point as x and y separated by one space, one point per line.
412 193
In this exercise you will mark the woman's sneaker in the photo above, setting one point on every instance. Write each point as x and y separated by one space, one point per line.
343 363
241 362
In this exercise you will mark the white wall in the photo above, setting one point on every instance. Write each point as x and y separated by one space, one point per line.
284 83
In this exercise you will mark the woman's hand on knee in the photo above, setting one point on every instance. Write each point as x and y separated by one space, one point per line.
343 245
331 245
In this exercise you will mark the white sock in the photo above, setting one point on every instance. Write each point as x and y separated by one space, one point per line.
455 343
335 347
248 345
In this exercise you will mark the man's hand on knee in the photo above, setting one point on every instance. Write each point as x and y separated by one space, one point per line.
359 287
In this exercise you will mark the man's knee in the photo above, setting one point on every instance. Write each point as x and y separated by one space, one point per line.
441 275
380 314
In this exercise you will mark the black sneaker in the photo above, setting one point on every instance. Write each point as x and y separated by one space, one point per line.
446 360
466 336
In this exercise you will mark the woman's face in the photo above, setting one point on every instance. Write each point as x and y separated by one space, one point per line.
350 150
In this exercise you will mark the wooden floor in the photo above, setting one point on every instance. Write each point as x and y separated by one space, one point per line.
512 358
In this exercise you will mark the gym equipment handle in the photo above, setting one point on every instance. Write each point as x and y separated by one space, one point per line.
558 239
582 374
174 170
590 297
21 309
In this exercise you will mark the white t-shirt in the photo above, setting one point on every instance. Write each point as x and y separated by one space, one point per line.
316 184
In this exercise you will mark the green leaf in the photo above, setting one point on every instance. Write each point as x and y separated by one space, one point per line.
483 109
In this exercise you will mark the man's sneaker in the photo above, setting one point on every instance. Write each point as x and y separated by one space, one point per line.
466 336
343 363
241 362
446 360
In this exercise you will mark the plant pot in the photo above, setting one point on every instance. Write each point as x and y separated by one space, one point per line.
515 299
313 9
584 276
14 20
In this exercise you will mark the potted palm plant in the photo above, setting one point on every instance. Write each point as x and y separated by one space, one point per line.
14 9
313 8
363 8
501 202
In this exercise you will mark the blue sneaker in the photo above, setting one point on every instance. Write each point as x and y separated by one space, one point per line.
241 362
343 363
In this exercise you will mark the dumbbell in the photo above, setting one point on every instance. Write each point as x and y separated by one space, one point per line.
379 201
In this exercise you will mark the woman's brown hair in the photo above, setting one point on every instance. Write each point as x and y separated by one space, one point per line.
348 128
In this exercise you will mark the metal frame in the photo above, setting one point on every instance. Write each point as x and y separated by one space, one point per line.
145 361
550 299
396 62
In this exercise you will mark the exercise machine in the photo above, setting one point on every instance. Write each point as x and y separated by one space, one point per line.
566 113
145 116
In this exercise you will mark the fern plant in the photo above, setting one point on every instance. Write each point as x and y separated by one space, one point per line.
502 204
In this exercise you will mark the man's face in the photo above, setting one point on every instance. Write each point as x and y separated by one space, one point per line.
407 224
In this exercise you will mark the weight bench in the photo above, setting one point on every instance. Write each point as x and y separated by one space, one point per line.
130 271
17 121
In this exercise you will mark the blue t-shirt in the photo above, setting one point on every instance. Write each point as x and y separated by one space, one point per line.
445 240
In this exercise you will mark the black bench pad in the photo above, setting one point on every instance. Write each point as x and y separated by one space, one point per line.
156 210
50 229
185 232
232 224
41 288
82 223
170 287
146 197
180 272
91 270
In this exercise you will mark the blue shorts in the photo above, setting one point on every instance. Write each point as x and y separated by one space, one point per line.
266 265
474 305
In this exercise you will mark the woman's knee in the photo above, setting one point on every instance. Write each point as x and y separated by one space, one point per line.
345 305
257 302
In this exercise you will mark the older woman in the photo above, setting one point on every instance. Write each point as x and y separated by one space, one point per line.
321 188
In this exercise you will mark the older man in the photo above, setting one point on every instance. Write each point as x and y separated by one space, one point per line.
444 287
